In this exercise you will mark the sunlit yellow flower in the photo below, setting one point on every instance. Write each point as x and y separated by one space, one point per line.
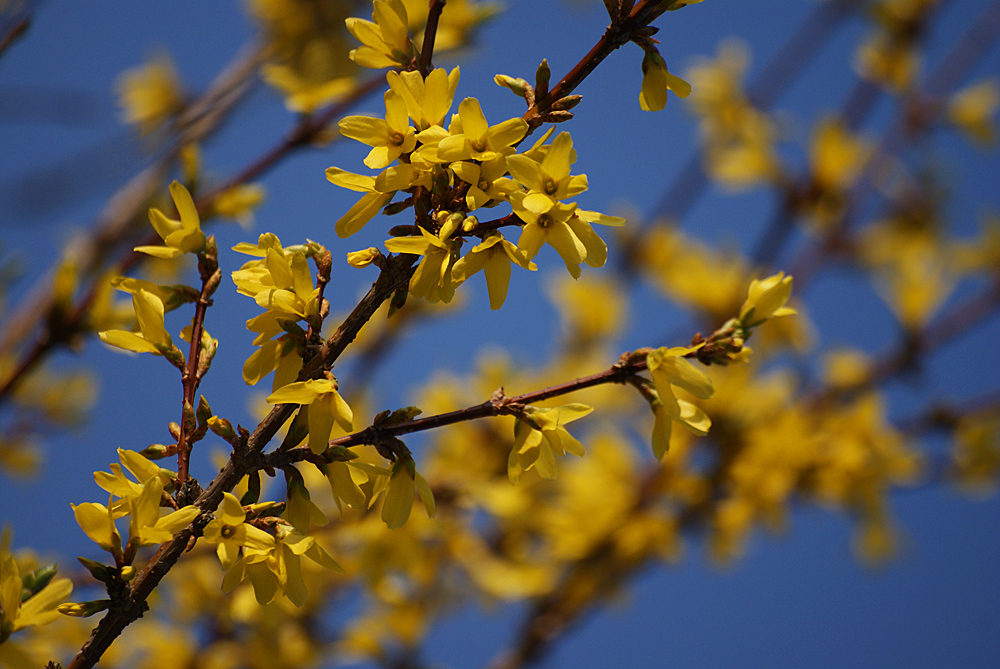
229 530
656 81
385 42
548 181
180 237
537 445
427 100
494 256
432 278
669 368
389 137
326 407
152 336
553 228
476 139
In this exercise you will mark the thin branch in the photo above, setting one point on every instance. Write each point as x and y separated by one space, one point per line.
16 32
430 33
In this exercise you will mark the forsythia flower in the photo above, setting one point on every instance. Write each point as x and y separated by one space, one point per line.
427 100
656 81
385 43
150 94
326 407
152 336
766 300
432 278
536 444
477 139
669 368
399 494
494 256
365 208
389 137
180 237
229 530
38 609
148 523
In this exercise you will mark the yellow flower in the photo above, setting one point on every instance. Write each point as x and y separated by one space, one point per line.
494 256
38 609
548 181
553 228
146 524
377 193
150 94
229 531
98 523
180 237
326 407
385 43
363 258
486 182
972 109
152 336
239 203
836 156
766 300
427 100
302 93
432 279
669 368
656 81
399 494
537 444
477 140
389 137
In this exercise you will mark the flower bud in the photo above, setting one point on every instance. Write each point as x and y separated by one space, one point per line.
83 609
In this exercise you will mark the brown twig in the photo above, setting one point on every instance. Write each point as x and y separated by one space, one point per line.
430 33
16 32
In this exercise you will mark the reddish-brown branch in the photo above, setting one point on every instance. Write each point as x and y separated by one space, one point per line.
16 32
498 405
430 33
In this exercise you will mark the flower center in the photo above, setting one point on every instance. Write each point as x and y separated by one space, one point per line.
396 138
550 186
545 220
479 144
483 185
228 531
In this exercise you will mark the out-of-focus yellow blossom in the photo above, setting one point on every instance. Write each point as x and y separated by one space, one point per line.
455 26
738 138
36 610
537 444
656 81
669 368
385 42
593 309
846 368
389 138
152 336
231 533
837 156
766 300
64 398
326 407
399 494
883 59
972 110
493 256
691 273
432 278
976 454
150 94
915 277
302 94
19 456
427 100
472 137
981 254
239 202
180 237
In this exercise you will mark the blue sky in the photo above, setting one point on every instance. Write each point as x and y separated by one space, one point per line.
796 600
